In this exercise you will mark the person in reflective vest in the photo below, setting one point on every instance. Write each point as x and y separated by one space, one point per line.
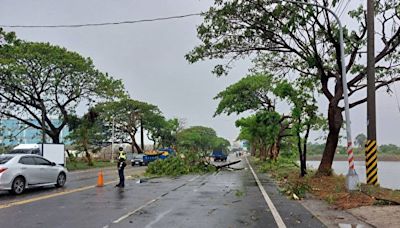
121 166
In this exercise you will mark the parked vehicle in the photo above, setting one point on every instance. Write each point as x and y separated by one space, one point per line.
219 155
52 152
137 160
21 171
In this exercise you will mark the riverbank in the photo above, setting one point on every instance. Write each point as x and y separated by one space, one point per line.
357 157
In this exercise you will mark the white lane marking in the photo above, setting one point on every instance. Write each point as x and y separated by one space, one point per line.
159 217
194 178
271 206
150 202
136 210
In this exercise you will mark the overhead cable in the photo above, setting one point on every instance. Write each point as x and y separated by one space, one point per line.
102 24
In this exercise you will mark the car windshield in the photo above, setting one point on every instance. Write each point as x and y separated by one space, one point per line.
5 159
139 156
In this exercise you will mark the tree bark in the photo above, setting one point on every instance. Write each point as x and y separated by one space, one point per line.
302 157
303 152
55 137
88 157
263 152
69 155
253 149
136 146
335 121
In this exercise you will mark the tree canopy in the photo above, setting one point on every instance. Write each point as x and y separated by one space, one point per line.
252 92
302 41
201 140
40 78
129 115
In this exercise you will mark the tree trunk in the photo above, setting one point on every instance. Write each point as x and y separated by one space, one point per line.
138 149
134 145
335 121
263 152
70 157
276 147
133 148
253 149
301 155
88 158
55 138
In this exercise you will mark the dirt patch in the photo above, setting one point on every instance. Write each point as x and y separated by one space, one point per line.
332 189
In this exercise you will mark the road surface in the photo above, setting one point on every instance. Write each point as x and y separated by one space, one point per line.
222 199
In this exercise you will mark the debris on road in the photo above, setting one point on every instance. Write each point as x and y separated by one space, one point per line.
139 181
227 165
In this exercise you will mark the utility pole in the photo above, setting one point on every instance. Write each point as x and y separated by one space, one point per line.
43 125
112 140
141 135
371 145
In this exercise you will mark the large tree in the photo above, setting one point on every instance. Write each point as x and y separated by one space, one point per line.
42 79
87 133
261 129
291 38
360 140
255 93
200 140
129 115
304 113
163 132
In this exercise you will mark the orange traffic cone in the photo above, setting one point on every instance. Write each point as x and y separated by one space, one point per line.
100 179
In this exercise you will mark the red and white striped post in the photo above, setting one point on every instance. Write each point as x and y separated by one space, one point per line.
350 155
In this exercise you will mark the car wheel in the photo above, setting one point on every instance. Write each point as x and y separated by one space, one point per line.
18 185
61 179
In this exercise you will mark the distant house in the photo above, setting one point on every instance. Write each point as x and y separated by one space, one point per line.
13 132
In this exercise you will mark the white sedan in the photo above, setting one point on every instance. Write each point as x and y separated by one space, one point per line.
21 171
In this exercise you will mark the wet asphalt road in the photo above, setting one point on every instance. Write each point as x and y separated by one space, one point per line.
222 199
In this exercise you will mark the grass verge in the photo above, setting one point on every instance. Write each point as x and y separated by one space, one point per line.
82 165
328 188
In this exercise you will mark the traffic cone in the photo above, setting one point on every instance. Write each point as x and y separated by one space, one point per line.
100 179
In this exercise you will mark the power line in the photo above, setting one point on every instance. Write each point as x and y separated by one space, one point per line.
339 5
102 24
344 8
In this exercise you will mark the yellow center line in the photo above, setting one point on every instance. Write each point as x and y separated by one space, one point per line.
21 202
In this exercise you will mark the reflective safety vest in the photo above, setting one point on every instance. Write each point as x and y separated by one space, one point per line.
122 155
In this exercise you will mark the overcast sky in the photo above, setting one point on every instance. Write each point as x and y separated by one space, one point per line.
149 57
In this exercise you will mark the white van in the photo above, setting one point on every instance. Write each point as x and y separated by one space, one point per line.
52 152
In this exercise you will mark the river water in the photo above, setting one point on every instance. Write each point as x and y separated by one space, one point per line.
388 171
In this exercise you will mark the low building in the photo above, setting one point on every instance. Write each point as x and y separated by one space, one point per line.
13 132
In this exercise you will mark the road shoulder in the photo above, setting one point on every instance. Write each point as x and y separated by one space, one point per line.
292 212
310 212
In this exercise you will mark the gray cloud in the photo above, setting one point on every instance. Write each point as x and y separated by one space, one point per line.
149 57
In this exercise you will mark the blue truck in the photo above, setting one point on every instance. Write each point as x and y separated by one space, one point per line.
219 155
